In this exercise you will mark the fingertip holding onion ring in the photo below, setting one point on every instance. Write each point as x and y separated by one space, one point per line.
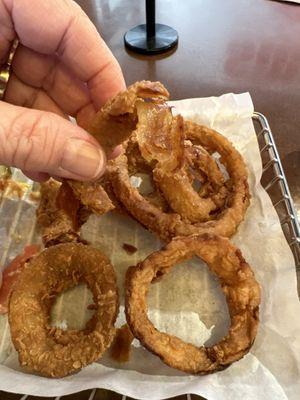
51 351
241 291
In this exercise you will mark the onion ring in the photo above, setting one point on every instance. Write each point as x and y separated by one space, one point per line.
198 164
161 142
111 126
157 138
160 138
48 350
238 283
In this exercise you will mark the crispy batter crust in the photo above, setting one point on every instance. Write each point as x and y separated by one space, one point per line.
114 123
51 351
192 205
92 195
160 137
159 146
238 283
59 214
55 224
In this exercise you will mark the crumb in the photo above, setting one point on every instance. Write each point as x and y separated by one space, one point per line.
129 248
35 196
3 184
15 188
17 238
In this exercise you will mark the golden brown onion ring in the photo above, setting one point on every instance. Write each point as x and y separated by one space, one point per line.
111 126
162 142
198 165
48 350
238 283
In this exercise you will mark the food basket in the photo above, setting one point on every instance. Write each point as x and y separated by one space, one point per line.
275 183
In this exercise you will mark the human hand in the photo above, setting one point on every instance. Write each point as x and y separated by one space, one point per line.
61 67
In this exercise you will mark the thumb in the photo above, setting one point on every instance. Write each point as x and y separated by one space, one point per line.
39 141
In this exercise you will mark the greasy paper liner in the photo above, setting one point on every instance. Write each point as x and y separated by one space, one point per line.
188 302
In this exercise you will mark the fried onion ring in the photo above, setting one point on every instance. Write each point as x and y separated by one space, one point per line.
160 141
241 291
111 126
48 350
198 164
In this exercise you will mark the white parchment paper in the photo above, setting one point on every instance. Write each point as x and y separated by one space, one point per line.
188 302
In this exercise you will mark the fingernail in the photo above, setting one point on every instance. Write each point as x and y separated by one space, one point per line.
82 158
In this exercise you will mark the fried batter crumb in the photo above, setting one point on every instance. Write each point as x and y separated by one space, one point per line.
13 188
35 196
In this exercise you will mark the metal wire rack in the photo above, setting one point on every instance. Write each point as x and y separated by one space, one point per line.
275 183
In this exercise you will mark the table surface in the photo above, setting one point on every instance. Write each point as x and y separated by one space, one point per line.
224 46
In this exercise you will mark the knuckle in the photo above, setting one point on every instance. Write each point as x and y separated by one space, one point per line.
41 137
30 137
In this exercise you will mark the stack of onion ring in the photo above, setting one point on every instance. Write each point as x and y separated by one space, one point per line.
176 154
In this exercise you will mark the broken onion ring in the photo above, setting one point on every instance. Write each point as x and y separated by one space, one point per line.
111 126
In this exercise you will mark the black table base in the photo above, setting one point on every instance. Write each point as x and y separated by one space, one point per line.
164 40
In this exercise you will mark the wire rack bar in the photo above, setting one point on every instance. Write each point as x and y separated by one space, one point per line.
278 178
92 394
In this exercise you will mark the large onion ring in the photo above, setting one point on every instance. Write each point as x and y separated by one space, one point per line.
238 284
52 351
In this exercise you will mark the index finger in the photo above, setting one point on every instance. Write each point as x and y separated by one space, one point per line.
61 27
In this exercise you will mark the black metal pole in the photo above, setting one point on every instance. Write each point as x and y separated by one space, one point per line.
150 19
